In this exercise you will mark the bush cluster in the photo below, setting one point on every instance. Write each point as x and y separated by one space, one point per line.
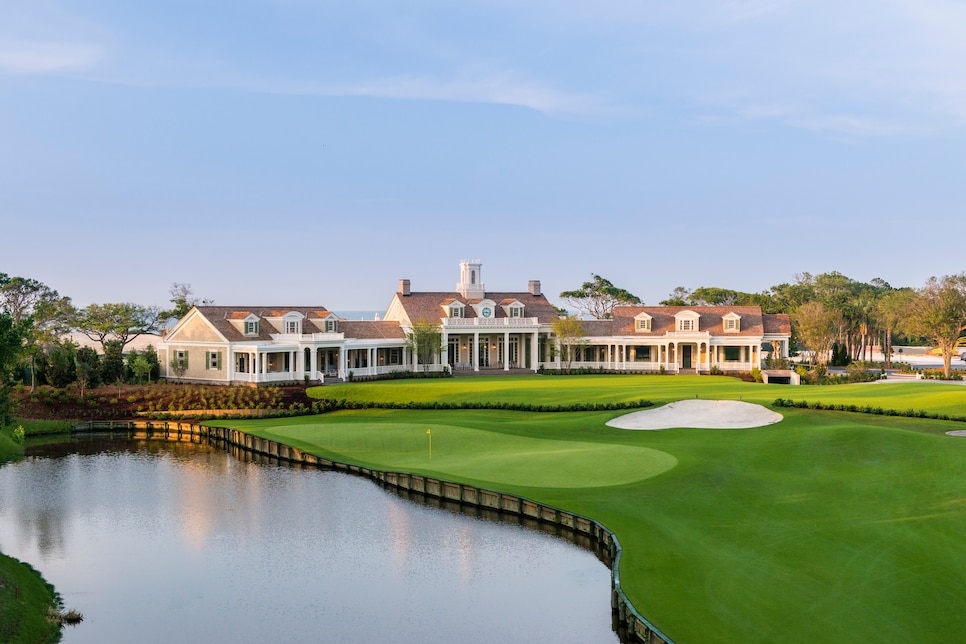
865 409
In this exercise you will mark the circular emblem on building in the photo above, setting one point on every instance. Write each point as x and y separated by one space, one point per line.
487 311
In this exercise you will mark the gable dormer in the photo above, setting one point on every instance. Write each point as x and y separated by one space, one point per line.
731 322
512 308
686 321
250 325
642 322
453 308
326 321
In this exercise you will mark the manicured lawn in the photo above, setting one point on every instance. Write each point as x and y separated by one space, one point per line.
933 396
826 526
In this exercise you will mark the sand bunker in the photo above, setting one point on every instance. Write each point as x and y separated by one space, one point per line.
702 414
957 432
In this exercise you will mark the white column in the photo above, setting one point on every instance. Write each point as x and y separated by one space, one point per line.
475 351
535 351
506 350
445 357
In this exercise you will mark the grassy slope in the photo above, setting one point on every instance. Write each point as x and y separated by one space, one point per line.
827 526
23 618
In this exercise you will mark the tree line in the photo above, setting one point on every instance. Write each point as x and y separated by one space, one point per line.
35 346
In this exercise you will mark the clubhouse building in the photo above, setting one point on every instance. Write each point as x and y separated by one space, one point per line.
481 331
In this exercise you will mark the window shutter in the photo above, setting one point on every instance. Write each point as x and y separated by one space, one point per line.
218 360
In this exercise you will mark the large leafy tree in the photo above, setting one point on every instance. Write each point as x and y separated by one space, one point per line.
818 327
938 312
118 322
52 315
570 337
425 340
183 298
13 335
598 297
891 309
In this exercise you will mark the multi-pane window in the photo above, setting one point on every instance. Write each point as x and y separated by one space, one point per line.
456 311
731 325
685 325
643 324
516 312
251 327
292 326
213 360
330 326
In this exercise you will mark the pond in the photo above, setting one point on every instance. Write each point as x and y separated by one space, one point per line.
157 542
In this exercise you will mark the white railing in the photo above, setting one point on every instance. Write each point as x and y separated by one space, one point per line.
688 334
489 322
306 337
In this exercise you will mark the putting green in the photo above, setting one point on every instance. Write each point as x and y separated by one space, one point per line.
479 455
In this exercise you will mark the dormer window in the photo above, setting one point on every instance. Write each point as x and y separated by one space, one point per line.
516 311
642 322
251 326
292 324
456 311
686 321
732 323
331 326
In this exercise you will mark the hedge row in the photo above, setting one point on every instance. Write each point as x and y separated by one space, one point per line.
866 409
326 405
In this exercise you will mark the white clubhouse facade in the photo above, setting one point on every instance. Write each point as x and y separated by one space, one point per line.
488 331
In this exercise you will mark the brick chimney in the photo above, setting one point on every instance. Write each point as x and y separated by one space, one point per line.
534 287
404 287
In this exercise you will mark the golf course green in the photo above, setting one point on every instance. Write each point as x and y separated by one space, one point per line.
825 526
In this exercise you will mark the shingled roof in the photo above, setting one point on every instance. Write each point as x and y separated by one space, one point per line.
710 320
220 317
426 305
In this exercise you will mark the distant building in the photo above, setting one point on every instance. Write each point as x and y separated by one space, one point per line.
481 330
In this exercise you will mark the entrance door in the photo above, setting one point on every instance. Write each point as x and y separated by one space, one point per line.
686 356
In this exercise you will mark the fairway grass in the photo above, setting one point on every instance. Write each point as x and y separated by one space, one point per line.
826 526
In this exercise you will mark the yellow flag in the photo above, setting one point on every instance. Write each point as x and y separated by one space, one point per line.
429 431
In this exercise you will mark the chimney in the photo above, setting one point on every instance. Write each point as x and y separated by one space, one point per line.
404 287
534 287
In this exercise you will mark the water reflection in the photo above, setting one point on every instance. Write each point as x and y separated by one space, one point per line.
158 541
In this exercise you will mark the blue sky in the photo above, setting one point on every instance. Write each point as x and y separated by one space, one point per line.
311 152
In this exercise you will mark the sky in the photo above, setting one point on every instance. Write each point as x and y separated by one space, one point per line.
306 152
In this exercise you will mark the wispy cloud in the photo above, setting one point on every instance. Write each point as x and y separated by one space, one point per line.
37 57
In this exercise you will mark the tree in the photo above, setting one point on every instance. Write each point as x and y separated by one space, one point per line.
179 365
140 368
680 296
88 368
598 298
570 337
112 363
52 314
425 340
890 311
120 322
61 368
183 299
817 327
938 312
12 337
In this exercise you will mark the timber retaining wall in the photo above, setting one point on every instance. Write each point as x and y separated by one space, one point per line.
629 623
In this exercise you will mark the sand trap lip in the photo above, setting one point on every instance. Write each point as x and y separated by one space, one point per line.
699 414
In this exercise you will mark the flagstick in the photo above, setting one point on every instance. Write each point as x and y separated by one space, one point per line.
430 434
